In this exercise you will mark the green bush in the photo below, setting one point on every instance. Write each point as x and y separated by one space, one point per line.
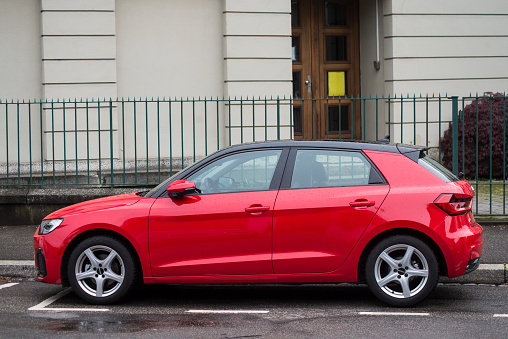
491 111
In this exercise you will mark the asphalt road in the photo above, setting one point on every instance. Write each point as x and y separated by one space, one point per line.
285 311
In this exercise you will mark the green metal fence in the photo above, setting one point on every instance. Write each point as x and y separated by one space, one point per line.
140 142
479 148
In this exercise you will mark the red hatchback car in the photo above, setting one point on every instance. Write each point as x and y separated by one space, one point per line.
274 212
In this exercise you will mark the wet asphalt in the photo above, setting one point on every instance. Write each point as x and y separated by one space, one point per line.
280 311
289 311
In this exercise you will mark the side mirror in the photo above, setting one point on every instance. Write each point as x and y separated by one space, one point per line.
180 188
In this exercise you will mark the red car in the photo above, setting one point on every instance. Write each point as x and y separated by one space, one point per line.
274 212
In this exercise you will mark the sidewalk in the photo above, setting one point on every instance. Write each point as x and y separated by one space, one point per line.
16 255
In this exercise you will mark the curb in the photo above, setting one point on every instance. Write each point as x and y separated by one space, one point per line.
494 274
17 268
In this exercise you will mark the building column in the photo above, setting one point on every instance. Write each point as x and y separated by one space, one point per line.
79 64
257 64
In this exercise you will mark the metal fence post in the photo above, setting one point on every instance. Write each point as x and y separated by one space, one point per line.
455 130
111 142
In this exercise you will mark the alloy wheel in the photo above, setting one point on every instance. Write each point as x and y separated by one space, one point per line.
99 271
401 271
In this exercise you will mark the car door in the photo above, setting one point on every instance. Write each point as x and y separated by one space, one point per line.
327 199
227 228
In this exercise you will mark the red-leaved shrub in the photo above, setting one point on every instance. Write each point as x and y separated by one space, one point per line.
495 102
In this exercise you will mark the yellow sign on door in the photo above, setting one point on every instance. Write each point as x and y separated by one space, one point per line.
336 84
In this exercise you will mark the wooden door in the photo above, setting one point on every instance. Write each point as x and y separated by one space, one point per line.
326 67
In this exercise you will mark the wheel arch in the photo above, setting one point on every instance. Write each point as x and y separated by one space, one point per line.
90 233
443 268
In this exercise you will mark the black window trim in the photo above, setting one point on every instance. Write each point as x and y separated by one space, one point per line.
290 163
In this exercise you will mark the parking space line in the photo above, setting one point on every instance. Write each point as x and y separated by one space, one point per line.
42 306
396 313
50 300
8 285
229 311
500 315
71 309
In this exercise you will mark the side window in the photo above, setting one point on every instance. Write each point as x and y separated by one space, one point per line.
325 168
241 172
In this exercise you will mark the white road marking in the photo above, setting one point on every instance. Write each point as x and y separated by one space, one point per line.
395 313
17 263
500 315
495 267
229 311
42 306
8 285
50 300
72 309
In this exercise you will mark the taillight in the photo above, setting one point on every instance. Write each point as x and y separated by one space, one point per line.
453 204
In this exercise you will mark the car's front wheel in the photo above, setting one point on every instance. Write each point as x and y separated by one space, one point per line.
401 270
101 270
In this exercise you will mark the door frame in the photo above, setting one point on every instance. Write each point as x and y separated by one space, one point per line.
311 32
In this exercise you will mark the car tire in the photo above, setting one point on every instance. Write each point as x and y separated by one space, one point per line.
102 270
401 270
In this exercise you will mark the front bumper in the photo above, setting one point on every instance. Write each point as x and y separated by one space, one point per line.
48 252
40 263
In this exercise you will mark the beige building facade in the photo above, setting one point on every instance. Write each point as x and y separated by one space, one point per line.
100 49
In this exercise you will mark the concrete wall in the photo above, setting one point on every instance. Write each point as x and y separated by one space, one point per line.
437 46
78 62
170 49
78 49
257 63
81 51
372 80
232 48
446 47
20 66
20 77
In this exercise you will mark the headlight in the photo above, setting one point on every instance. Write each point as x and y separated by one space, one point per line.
49 225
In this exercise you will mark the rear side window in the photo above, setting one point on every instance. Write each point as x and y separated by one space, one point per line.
325 168
437 169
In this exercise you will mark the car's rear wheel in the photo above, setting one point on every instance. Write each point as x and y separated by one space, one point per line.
101 270
401 270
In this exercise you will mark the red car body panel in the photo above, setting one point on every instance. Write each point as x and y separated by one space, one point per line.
299 235
314 229
126 215
456 236
212 234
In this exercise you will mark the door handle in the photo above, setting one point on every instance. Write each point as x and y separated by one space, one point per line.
362 203
257 209
308 82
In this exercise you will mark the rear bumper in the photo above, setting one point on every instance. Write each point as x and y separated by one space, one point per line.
466 250
472 265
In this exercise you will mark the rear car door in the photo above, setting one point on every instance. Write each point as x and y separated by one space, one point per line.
225 230
327 199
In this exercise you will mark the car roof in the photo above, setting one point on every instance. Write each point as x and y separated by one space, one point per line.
343 144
